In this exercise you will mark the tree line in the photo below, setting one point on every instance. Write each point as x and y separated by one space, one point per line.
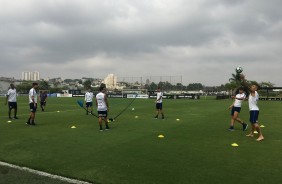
233 83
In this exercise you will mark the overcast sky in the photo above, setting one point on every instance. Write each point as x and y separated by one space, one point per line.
201 40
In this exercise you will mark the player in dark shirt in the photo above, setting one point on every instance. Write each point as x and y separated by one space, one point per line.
43 99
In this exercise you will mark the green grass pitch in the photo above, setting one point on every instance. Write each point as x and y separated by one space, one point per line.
196 149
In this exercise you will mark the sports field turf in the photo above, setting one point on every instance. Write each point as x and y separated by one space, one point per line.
196 149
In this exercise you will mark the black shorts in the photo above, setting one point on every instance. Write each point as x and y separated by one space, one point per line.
32 107
103 114
159 106
89 104
235 109
12 105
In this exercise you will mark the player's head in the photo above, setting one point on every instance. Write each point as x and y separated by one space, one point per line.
35 85
12 86
241 89
254 87
158 89
102 89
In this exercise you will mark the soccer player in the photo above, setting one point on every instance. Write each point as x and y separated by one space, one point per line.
102 107
236 108
32 103
11 98
43 100
89 101
254 109
159 104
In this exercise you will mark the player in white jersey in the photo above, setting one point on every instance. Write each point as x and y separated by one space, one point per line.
11 98
159 104
32 95
102 107
254 109
89 101
236 108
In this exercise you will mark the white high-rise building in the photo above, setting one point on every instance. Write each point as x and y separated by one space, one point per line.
33 76
26 76
111 81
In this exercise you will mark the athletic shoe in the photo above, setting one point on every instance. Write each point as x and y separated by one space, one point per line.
16 117
33 124
101 129
156 117
163 117
107 128
28 123
231 129
245 126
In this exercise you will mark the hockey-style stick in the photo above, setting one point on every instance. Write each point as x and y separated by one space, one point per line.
80 103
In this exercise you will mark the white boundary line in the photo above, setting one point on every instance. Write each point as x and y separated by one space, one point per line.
40 173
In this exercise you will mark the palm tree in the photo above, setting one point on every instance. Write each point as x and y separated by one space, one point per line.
235 82
235 78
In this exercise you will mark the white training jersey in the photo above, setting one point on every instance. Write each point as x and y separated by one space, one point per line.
253 100
12 95
32 93
101 103
238 103
160 97
88 97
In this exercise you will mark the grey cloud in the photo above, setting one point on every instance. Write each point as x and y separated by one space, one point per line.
148 37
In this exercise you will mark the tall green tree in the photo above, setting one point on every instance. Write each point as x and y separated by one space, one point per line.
44 85
234 83
153 86
195 86
235 78
231 86
87 84
24 87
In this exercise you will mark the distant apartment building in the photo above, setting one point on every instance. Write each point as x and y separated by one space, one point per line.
111 81
30 76
25 75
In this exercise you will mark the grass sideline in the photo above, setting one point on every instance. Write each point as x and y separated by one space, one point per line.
13 175
196 149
